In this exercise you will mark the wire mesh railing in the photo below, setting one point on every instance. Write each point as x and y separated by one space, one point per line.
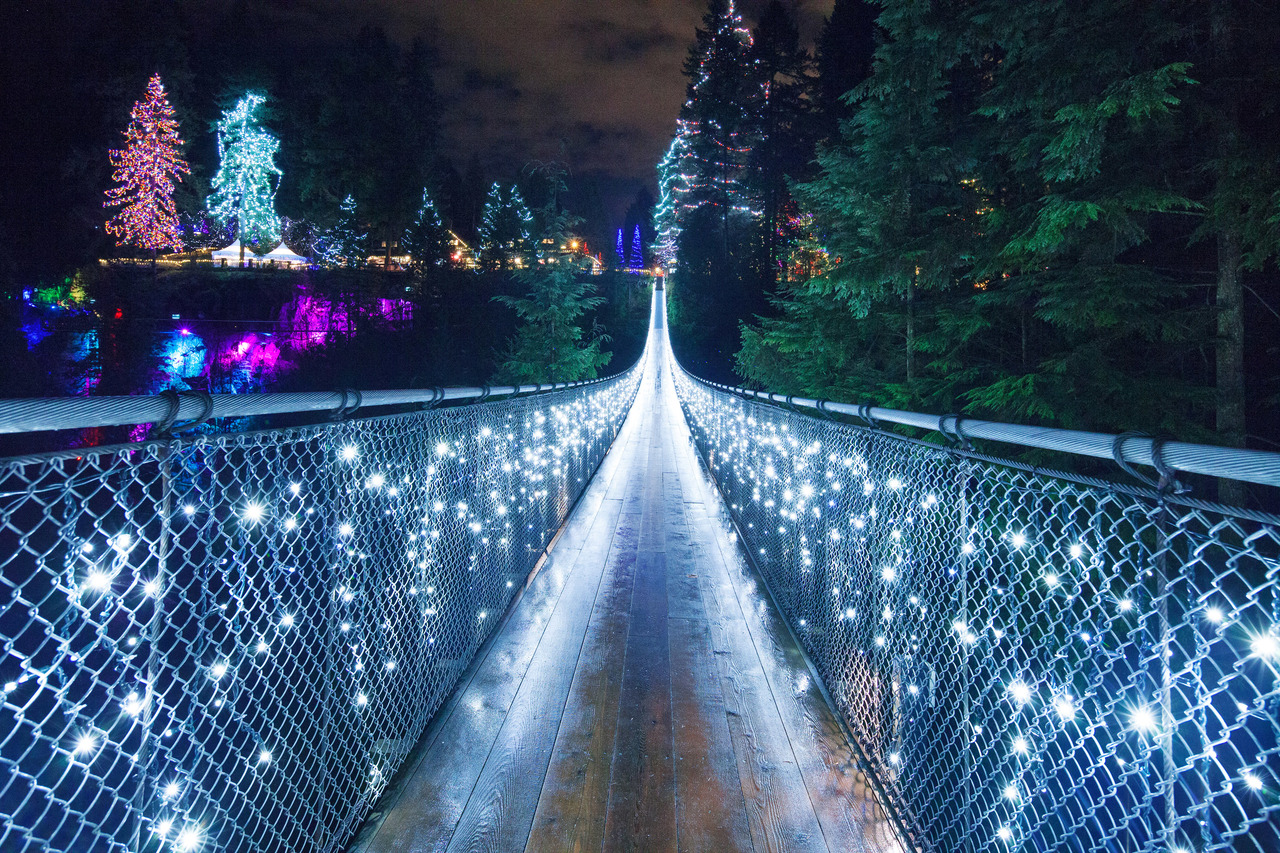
231 642
1027 660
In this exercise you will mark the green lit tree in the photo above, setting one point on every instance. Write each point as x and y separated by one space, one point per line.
244 188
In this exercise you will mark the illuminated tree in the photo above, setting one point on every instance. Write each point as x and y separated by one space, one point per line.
505 228
145 170
637 250
245 185
427 240
343 244
617 250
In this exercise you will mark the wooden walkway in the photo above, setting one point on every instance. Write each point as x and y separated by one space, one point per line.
643 694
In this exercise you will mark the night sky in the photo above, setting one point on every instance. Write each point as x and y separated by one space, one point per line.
596 84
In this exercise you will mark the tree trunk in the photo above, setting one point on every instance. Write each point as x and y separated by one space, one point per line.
911 331
1230 355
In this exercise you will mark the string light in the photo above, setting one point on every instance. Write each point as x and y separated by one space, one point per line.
145 171
244 188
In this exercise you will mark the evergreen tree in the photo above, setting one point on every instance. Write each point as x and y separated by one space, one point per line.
343 245
845 48
244 188
427 241
505 229
145 171
617 250
549 345
987 213
637 251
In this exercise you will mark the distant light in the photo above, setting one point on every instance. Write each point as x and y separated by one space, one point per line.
10 686
121 541
133 705
895 758
391 664
376 481
164 826
296 488
87 547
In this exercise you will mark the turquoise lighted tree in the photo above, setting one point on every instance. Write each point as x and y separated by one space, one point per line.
244 189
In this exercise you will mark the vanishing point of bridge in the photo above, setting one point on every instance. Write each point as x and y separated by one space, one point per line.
645 613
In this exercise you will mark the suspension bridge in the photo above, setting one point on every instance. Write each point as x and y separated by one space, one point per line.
646 612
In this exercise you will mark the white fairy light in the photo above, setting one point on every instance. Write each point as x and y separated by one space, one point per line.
253 512
967 548
290 524
1265 646
1141 719
1018 539
1126 605
1065 708
295 488
189 839
264 757
1214 615
1020 746
189 510
1004 833
219 669
98 581
85 744
171 791
1011 792
1076 551
151 588
286 621
361 699
888 573
349 453
1020 692
1252 780
345 529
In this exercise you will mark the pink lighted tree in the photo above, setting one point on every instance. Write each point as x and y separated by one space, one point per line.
144 172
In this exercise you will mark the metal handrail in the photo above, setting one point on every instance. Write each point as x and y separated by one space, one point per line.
1253 466
40 414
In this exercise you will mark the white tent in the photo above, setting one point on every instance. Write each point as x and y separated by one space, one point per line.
231 254
282 255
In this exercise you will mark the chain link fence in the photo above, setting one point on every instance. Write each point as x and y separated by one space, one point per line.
1027 660
230 643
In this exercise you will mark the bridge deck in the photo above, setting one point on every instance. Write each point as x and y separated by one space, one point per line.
643 693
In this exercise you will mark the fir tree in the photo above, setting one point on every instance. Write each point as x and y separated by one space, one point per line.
637 251
505 235
427 241
343 245
244 189
549 345
145 171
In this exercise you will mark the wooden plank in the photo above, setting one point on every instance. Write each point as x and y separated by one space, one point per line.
711 812
641 807
572 807
501 808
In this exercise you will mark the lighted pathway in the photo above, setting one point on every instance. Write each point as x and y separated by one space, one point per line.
643 694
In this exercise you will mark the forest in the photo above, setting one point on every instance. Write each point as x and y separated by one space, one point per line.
1058 213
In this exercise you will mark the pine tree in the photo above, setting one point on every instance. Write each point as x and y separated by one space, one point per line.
145 171
244 189
505 236
617 250
427 241
550 346
636 261
343 245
